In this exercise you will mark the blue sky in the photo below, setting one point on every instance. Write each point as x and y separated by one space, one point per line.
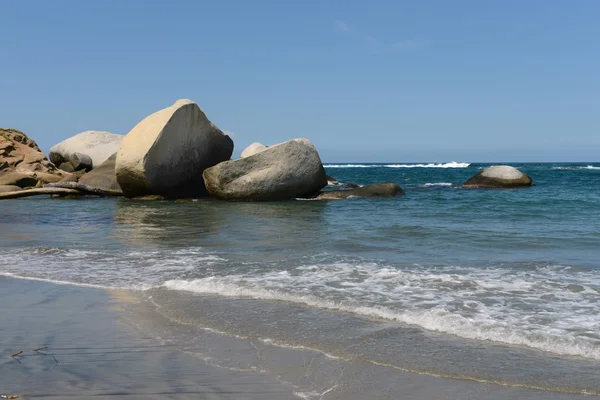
365 81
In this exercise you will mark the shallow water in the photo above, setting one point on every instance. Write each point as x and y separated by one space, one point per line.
490 285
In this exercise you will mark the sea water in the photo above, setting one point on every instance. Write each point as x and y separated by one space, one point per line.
497 286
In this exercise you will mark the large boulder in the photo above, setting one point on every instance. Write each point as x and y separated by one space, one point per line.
376 190
284 171
22 163
97 145
499 176
103 177
253 149
166 153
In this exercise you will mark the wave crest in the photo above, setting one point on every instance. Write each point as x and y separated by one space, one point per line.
452 164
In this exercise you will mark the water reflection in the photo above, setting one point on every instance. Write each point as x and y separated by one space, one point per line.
234 227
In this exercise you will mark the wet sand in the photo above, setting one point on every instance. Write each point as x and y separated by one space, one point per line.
90 353
111 344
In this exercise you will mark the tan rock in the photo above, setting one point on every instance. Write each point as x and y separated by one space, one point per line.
9 188
22 163
166 153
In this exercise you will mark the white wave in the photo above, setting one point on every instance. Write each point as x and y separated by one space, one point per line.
137 270
482 304
442 184
54 281
452 164
588 167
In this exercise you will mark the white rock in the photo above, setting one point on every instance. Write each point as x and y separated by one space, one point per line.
98 145
254 148
499 176
502 172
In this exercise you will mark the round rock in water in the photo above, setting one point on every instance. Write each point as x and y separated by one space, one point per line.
97 145
499 176
166 153
253 149
283 171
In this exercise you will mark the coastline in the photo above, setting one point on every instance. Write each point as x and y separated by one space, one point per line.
104 343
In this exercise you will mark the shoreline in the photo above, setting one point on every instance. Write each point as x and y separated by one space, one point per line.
106 345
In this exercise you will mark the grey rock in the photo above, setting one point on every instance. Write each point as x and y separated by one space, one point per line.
376 190
66 166
103 177
284 171
81 162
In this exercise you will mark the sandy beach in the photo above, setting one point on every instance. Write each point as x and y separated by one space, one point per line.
88 352
83 343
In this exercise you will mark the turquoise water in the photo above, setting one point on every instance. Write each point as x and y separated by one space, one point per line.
439 281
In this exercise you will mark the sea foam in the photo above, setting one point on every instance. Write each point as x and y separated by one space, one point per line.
481 304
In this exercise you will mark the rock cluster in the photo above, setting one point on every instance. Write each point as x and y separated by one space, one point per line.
23 164
174 153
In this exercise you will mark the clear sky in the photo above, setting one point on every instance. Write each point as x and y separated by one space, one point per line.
511 80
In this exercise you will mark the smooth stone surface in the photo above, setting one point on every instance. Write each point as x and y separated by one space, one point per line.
253 149
499 176
376 190
13 178
98 145
284 171
9 188
81 162
67 167
103 177
167 152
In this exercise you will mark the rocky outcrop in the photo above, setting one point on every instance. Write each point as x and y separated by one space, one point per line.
284 171
376 190
22 163
96 145
253 149
166 153
499 176
103 177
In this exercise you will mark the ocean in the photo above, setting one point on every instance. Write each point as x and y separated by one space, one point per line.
493 286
